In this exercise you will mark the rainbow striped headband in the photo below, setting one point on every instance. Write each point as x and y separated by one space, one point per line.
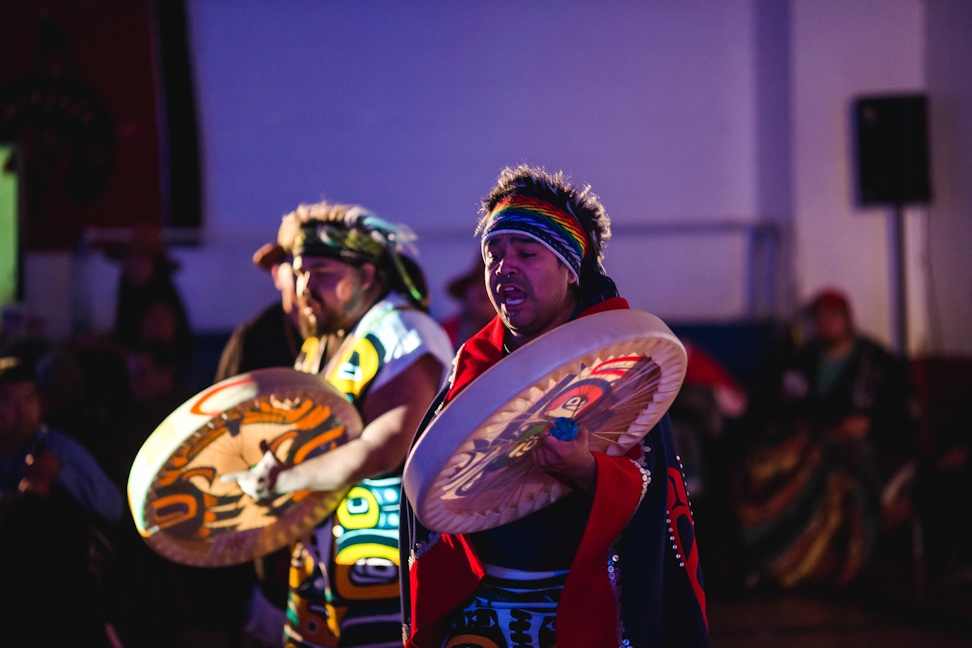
558 231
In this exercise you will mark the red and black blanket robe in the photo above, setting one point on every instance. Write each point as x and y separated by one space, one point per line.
661 600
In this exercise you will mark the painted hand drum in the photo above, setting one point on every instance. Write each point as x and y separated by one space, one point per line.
616 373
182 509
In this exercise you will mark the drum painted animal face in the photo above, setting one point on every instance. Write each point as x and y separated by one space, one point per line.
331 294
529 287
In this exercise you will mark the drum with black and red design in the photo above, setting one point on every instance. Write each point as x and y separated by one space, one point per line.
180 506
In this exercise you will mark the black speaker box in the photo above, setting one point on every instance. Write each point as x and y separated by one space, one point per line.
892 149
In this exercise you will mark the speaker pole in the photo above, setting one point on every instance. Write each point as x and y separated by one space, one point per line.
902 286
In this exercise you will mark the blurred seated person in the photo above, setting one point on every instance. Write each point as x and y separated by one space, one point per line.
475 309
841 424
55 505
703 370
39 460
148 311
63 386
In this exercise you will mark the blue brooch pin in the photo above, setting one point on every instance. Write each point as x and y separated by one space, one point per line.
564 428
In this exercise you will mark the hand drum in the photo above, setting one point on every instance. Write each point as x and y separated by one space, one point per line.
616 373
182 509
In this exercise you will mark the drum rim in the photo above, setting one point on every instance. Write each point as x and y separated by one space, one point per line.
582 336
182 424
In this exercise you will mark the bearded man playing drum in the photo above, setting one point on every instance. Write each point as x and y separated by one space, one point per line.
612 563
360 291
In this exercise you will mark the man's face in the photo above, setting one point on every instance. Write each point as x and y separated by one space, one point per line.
330 293
831 325
20 412
529 287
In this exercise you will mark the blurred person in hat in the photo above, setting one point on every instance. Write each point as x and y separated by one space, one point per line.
847 380
841 430
272 337
363 308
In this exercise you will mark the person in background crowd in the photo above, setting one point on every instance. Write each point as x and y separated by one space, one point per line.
710 401
56 508
709 395
819 487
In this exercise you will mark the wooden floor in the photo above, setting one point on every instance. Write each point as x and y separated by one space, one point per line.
748 620
792 621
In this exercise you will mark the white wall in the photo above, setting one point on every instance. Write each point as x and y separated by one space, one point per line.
683 116
413 108
842 50
949 282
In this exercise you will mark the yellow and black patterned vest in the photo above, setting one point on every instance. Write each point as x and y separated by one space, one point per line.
355 596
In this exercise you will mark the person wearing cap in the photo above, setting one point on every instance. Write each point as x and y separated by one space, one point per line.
614 562
271 338
840 424
363 303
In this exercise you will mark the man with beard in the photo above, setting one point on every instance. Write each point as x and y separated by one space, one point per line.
614 561
362 302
